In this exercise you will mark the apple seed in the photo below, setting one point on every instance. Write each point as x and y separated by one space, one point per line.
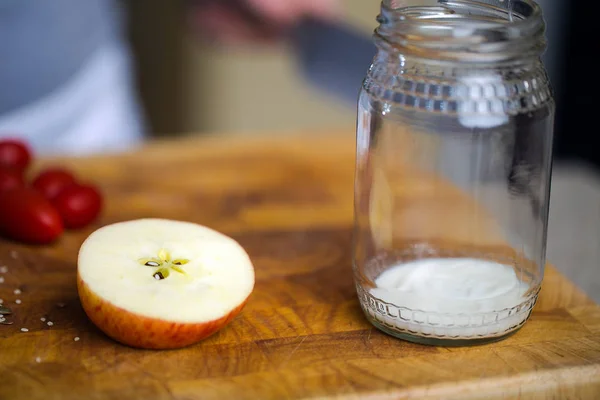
164 264
150 262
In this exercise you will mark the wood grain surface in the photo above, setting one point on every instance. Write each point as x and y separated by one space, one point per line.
288 201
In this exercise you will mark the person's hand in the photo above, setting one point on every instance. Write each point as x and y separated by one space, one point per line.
243 21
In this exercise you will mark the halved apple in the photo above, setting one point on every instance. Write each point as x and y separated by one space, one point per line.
162 284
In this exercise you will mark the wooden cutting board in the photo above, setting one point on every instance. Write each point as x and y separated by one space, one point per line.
288 201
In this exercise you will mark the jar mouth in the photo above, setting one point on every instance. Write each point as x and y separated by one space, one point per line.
463 30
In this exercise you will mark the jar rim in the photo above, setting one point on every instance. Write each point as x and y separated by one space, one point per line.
463 30
521 10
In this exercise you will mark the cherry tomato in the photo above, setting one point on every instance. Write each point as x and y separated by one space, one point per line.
50 182
14 154
28 216
10 179
78 205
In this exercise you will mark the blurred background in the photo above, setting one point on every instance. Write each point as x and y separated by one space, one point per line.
187 85
170 67
130 70
251 88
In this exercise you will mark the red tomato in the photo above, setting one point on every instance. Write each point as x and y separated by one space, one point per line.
14 154
10 179
78 205
27 216
50 182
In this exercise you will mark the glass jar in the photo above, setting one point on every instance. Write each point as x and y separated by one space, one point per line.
454 154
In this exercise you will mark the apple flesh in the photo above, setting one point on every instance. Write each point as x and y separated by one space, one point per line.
206 279
136 330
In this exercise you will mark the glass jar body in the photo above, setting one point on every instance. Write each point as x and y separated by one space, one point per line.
451 196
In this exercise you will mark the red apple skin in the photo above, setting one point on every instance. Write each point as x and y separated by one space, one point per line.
142 332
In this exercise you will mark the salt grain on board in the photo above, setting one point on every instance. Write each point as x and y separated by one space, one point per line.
1 279
3 269
18 301
38 360
1 301
17 291
50 323
76 339
24 330
43 319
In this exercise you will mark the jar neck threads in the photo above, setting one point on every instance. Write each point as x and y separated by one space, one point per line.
464 31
